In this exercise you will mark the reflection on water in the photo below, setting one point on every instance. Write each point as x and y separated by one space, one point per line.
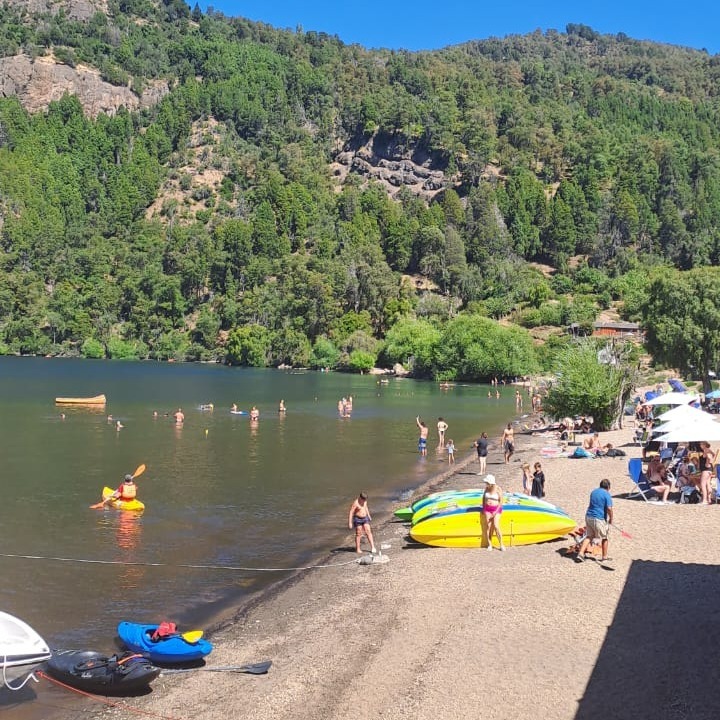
129 527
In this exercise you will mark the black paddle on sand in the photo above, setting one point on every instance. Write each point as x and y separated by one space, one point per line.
259 668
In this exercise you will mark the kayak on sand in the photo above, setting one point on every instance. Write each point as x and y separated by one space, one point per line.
521 523
165 650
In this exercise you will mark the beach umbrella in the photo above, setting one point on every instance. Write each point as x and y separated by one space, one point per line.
713 394
677 385
678 423
693 432
682 411
673 398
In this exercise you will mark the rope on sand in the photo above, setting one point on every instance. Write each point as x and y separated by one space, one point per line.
183 565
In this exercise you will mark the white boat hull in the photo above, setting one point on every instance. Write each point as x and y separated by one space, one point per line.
22 650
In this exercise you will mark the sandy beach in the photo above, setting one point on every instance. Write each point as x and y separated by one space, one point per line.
457 633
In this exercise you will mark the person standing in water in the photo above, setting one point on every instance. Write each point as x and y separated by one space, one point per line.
451 452
442 426
422 440
359 518
281 407
179 417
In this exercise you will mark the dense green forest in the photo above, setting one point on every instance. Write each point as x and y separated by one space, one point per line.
576 167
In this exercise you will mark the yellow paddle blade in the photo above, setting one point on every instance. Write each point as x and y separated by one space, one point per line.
192 636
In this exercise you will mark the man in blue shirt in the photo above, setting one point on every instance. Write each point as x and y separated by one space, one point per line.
598 518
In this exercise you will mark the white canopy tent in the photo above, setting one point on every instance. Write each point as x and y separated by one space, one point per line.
679 423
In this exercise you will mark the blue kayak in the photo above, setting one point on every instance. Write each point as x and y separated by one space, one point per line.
167 650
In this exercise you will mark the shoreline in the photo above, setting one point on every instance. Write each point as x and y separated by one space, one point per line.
421 634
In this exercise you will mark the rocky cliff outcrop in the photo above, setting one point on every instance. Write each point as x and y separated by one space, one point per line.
381 160
37 82
74 9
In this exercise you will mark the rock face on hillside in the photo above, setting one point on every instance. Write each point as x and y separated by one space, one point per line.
74 9
380 159
37 82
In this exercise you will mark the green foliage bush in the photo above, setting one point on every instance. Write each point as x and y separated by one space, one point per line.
92 348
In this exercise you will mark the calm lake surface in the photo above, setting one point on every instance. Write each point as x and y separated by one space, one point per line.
218 491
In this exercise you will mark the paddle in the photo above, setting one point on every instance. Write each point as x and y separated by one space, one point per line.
259 668
139 471
192 636
622 532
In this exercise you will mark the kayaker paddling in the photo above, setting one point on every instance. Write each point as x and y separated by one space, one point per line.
127 491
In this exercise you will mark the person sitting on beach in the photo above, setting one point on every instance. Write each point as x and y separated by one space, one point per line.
657 476
492 510
592 444
359 518
686 475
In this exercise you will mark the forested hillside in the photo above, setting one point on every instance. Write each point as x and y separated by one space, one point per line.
290 199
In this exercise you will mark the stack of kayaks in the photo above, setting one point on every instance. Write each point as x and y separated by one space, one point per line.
455 519
134 504
168 650
94 672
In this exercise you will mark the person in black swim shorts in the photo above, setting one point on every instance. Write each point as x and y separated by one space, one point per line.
359 518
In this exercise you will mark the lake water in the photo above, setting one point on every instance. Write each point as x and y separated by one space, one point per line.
219 490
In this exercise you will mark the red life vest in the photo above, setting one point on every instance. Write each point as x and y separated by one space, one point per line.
128 491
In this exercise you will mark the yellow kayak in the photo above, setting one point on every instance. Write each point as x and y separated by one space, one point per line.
122 504
520 524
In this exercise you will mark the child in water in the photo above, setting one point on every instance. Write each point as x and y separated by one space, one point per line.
451 452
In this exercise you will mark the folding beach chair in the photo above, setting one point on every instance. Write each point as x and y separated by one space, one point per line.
641 483
717 483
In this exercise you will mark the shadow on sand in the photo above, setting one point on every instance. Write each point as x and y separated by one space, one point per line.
661 654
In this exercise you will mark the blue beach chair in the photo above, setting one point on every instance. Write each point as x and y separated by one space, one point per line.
641 484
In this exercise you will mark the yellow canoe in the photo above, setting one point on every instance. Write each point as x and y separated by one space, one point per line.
519 524
95 400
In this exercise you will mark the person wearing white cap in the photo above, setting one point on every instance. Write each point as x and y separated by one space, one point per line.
492 509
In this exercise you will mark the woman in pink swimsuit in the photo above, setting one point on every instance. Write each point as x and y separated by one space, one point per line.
492 510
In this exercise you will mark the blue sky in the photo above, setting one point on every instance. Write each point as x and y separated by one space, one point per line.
423 25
